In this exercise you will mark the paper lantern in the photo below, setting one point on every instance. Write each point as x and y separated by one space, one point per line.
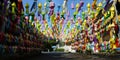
88 6
64 6
77 6
72 5
92 14
32 15
94 4
27 8
52 5
40 5
105 15
39 10
112 10
20 6
13 7
83 15
45 5
59 7
62 14
74 15
43 15
52 18
100 5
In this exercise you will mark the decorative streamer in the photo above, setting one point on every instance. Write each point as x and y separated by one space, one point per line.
108 5
34 6
80 5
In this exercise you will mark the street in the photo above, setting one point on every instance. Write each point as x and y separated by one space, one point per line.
63 56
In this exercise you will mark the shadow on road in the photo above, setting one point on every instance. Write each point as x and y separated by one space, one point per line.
62 56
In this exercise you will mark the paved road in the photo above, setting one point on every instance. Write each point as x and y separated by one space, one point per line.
65 56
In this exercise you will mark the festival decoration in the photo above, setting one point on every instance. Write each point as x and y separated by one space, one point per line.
39 10
83 16
20 6
34 6
88 6
74 15
72 5
94 4
13 7
77 7
64 6
112 10
80 5
99 7
52 5
25 32
27 8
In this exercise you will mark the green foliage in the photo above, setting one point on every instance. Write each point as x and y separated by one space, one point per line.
48 44
60 50
51 42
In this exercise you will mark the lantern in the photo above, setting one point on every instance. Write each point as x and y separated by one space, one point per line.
13 7
88 6
27 8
